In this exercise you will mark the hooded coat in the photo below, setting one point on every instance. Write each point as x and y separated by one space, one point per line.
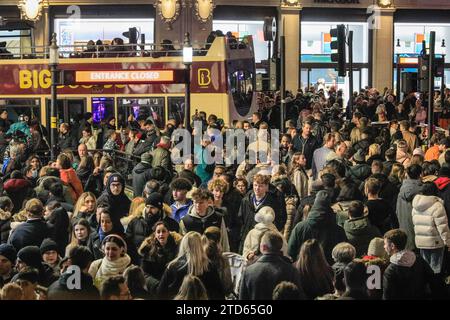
253 238
430 222
443 184
141 174
118 205
320 225
406 277
410 188
193 222
360 232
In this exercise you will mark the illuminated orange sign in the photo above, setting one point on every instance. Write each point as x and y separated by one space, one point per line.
406 60
124 76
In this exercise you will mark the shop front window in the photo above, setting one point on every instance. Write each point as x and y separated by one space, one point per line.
410 36
316 40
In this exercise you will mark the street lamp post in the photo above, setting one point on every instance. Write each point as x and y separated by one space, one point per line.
443 48
53 63
398 84
187 61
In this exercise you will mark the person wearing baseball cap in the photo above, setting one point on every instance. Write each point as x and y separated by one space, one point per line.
141 227
8 257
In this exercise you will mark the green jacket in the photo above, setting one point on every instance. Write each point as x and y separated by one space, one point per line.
359 233
161 157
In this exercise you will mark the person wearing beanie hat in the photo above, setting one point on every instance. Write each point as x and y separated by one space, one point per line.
264 219
180 206
34 230
30 256
8 257
49 252
141 227
141 174
114 198
320 224
28 279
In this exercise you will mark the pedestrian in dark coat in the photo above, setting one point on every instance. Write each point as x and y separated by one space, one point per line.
115 200
306 143
260 197
141 227
408 275
157 251
34 230
142 173
191 260
358 229
80 257
58 221
409 189
320 225
260 279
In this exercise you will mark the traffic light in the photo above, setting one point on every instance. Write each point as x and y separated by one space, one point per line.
339 47
423 73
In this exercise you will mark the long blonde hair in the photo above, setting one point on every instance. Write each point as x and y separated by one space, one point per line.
191 247
81 200
135 203
374 149
398 171
192 288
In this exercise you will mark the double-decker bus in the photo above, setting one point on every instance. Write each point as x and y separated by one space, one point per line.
222 83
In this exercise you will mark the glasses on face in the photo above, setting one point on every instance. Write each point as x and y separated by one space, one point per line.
116 185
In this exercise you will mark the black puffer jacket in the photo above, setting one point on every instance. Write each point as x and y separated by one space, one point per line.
320 225
358 173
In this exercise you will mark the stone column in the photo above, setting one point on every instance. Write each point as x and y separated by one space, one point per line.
289 26
383 49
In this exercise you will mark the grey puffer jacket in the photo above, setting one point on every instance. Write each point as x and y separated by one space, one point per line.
409 189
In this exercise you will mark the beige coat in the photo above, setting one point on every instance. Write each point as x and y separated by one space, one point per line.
300 181
252 240
411 141
430 222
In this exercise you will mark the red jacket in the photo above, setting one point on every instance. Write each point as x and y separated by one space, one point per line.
70 178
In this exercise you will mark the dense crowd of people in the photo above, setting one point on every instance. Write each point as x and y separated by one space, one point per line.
358 196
